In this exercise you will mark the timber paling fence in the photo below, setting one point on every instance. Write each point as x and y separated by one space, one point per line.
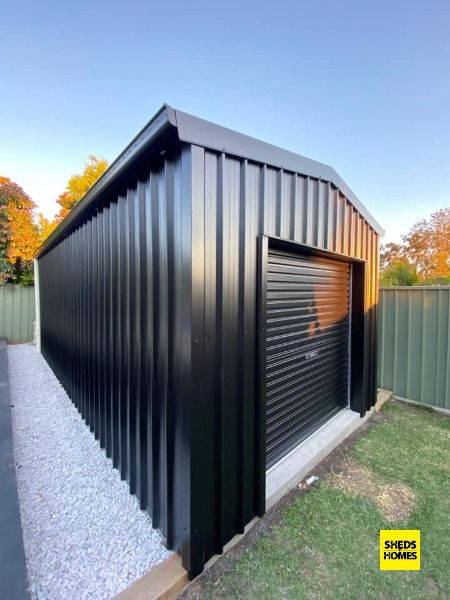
413 347
414 344
17 313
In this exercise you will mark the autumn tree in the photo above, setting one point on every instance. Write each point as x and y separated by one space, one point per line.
19 235
45 227
423 256
390 254
79 184
427 245
5 267
77 187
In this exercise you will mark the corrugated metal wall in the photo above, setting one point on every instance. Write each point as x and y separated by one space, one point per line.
414 347
149 312
17 313
115 328
235 203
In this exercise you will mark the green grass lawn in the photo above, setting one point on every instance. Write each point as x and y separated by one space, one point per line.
327 543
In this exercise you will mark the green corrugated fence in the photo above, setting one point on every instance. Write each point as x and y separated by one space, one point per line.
17 313
414 344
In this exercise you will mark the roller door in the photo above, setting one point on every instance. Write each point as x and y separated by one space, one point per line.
307 346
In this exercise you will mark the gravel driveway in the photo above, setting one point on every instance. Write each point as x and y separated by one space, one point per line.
84 534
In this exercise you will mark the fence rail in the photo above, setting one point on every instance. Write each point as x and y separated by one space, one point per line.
17 313
414 344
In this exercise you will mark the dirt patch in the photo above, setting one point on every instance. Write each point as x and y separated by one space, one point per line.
394 501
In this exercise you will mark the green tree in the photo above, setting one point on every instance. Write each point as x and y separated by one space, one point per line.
435 281
398 274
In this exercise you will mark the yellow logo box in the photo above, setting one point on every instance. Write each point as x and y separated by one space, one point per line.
400 549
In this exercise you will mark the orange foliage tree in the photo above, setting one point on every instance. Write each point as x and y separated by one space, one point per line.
19 234
45 226
428 245
423 256
80 183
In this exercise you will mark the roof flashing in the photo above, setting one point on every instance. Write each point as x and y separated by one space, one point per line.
197 131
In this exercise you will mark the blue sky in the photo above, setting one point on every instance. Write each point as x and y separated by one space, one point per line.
363 86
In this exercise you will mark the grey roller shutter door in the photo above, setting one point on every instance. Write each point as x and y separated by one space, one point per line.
307 353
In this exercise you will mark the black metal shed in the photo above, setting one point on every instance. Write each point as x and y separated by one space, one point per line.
208 304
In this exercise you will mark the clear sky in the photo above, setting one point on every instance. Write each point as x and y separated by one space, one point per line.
363 86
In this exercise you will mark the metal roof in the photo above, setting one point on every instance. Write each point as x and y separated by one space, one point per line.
203 133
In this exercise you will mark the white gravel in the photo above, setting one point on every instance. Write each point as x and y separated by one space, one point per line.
84 534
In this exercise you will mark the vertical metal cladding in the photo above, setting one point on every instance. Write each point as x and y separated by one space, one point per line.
17 313
149 318
115 318
235 203
414 348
